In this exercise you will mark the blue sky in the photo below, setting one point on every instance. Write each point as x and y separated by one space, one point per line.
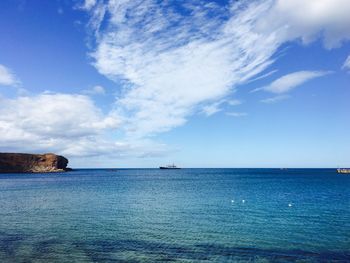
199 83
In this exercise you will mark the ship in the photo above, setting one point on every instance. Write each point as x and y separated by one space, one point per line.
343 170
169 166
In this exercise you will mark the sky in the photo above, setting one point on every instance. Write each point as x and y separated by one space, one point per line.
144 83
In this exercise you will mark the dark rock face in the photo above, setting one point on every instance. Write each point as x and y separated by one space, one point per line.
32 163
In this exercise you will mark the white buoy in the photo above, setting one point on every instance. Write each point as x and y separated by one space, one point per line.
290 205
232 201
243 201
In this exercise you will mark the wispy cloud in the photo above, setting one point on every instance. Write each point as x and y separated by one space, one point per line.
346 65
275 99
234 102
264 75
171 70
96 90
87 4
7 77
173 58
290 81
236 114
212 108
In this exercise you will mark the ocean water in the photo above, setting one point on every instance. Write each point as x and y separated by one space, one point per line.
187 215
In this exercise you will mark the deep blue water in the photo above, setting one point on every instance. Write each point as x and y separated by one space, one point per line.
187 215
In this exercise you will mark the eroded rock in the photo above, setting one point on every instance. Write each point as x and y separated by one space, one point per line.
32 163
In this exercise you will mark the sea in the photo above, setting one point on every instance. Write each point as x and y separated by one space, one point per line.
186 215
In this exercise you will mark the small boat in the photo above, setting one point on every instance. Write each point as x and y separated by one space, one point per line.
169 166
343 171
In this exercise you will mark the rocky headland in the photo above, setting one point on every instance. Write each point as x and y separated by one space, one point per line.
32 163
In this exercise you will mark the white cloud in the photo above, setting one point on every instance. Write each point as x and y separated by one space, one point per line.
96 90
172 63
291 81
211 109
7 77
216 107
264 75
54 122
88 4
275 99
309 20
346 64
172 70
234 102
71 125
237 114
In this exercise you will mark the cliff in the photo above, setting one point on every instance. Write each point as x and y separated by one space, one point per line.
32 163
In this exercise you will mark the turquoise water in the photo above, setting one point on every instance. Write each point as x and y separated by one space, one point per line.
187 215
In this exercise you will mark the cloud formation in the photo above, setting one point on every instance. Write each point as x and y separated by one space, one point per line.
7 77
175 57
170 70
96 90
87 4
53 122
275 99
67 124
213 108
234 102
236 114
290 81
309 20
346 64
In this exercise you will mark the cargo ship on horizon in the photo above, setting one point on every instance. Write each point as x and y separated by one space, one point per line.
169 166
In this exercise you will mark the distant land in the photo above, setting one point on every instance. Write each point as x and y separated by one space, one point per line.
32 163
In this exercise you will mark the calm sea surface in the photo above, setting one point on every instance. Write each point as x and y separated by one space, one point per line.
187 215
